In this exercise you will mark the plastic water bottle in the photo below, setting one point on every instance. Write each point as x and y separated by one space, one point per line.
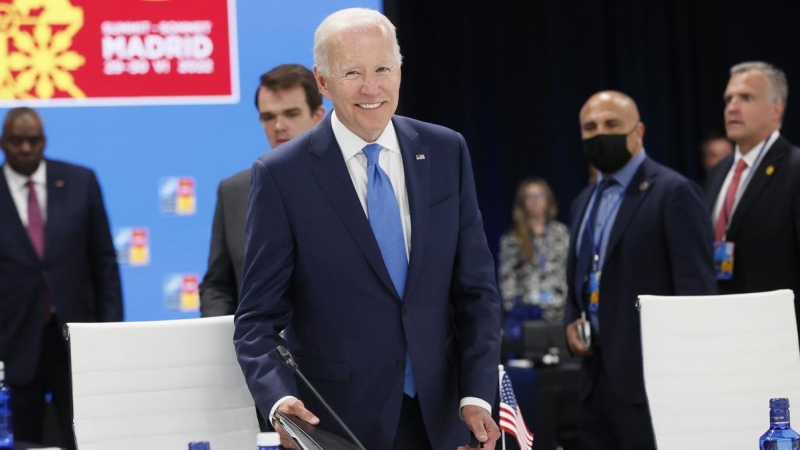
780 435
204 445
6 428
268 441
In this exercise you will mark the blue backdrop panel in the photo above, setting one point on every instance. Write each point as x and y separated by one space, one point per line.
159 166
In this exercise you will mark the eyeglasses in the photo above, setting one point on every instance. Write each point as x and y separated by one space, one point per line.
19 140
536 196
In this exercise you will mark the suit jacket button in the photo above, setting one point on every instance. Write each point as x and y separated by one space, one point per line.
401 365
404 311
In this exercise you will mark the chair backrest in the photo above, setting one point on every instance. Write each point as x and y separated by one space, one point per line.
159 385
711 364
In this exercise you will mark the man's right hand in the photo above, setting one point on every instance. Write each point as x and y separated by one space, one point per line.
574 340
294 407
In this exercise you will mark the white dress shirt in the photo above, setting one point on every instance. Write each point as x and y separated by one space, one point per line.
750 160
19 192
391 161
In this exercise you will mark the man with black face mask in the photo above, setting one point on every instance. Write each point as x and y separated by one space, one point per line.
640 228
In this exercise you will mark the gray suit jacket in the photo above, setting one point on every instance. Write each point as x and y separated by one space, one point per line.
219 291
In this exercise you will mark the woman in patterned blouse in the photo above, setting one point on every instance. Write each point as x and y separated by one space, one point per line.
533 255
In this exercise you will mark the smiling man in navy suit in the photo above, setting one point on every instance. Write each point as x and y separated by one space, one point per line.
640 228
364 242
57 265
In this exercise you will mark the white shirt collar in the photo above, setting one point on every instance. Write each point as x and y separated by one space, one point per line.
18 180
351 144
752 155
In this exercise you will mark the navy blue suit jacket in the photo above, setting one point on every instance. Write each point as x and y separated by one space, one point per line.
79 271
313 267
660 244
765 226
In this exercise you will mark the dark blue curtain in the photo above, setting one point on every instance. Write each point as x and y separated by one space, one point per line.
512 78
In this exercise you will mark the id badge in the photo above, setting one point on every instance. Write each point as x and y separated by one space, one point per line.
723 260
593 291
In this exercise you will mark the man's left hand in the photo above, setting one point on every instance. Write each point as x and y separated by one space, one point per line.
482 425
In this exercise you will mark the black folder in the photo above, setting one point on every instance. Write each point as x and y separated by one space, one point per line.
308 437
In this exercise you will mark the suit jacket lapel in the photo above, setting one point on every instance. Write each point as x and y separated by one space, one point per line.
331 173
417 172
715 183
56 206
11 220
758 181
637 191
581 266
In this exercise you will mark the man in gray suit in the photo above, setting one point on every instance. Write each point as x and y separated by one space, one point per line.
289 104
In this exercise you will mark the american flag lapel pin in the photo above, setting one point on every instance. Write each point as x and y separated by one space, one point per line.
59 183
420 157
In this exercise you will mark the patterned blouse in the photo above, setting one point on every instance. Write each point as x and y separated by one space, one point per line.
541 282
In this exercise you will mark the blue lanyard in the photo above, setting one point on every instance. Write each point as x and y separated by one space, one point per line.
596 244
743 185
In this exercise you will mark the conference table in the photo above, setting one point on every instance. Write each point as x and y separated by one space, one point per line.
546 395
18 445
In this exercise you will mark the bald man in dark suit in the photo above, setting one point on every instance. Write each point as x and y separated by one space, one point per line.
645 229
57 265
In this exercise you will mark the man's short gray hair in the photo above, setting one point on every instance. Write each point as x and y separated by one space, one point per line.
351 19
776 79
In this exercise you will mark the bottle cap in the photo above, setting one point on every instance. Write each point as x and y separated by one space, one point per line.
270 439
781 403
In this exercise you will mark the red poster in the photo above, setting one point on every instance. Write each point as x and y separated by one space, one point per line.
117 52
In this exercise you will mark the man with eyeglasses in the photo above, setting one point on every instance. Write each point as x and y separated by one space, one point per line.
57 265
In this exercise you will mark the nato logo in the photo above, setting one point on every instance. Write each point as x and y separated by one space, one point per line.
181 292
132 245
176 196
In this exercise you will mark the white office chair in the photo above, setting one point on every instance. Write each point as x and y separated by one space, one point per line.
711 364
159 385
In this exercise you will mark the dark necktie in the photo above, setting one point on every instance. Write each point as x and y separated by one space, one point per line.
385 221
36 234
587 246
587 250
35 221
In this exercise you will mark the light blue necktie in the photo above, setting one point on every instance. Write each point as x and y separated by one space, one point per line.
384 219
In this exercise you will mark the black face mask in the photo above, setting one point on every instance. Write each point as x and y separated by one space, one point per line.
607 152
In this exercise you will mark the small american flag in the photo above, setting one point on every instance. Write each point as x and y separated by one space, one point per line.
511 416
